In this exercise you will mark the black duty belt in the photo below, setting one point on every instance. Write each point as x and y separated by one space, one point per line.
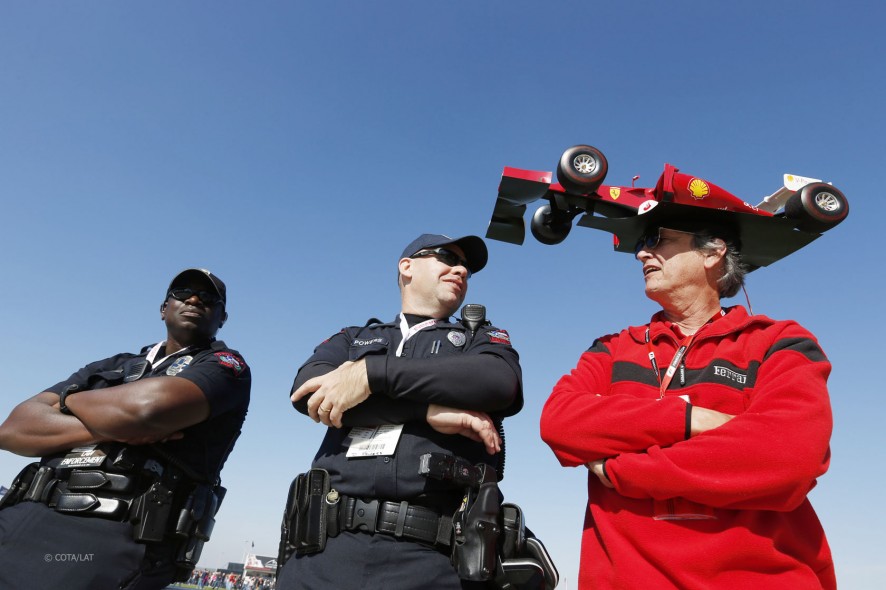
400 519
84 493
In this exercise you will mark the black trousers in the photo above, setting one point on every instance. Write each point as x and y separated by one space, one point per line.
41 549
361 561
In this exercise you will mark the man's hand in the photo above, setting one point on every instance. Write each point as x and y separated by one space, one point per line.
596 467
476 426
335 393
703 419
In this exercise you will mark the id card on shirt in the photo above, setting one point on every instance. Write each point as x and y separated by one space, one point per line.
374 442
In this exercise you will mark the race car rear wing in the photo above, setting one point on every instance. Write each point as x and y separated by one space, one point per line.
792 183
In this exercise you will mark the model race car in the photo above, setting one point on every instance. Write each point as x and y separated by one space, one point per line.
785 221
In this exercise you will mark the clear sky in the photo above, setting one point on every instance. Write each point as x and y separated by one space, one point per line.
294 148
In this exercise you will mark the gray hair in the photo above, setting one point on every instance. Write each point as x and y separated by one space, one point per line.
734 270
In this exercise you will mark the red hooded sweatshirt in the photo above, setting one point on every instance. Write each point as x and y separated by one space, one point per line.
726 508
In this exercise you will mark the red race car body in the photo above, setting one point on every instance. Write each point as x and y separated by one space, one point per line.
784 222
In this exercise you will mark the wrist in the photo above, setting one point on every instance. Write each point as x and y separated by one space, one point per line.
63 398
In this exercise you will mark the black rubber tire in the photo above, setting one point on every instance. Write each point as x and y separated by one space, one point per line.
582 169
550 228
817 206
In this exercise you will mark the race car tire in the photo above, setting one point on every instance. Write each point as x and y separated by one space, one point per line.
582 169
817 207
550 226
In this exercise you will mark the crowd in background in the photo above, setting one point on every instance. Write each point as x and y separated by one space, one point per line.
229 581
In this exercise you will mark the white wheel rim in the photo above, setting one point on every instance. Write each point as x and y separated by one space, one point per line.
584 164
827 202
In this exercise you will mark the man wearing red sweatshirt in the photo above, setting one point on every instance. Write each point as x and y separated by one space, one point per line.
702 431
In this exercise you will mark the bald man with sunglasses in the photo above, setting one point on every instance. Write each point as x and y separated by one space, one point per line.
388 394
131 448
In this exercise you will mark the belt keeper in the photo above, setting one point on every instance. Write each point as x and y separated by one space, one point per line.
401 519
444 531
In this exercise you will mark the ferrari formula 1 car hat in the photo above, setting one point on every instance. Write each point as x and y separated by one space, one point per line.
216 282
676 205
473 247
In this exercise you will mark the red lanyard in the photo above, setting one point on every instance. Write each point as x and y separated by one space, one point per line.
672 368
678 357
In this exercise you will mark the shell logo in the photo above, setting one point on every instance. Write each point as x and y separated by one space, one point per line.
614 192
698 188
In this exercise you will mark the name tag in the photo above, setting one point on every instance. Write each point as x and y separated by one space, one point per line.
374 442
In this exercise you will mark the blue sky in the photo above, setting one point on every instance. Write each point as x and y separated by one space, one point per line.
294 148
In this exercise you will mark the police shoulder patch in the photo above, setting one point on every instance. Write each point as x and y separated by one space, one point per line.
232 361
499 336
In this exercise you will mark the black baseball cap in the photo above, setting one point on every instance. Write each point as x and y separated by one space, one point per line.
474 248
217 283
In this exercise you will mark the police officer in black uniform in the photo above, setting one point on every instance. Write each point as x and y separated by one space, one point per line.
391 393
132 446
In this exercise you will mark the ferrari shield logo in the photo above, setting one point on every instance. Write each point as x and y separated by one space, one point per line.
614 192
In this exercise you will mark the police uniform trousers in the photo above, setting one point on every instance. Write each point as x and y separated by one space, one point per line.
362 561
41 549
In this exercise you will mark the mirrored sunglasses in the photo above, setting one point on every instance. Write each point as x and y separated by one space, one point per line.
184 293
447 257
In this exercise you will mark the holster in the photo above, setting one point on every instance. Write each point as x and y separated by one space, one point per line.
490 541
304 527
476 534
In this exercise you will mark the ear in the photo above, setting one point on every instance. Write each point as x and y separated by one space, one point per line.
223 320
712 259
163 310
405 267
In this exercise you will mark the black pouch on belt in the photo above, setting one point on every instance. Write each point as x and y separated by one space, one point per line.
307 512
20 485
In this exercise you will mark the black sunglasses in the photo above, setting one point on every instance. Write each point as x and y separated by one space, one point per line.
183 294
650 242
447 257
